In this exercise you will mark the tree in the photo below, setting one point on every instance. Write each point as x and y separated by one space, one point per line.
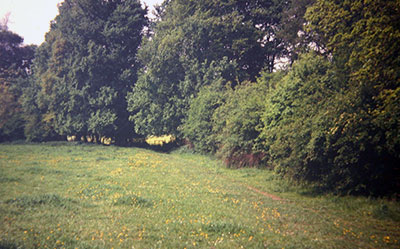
15 62
87 65
294 36
190 35
362 37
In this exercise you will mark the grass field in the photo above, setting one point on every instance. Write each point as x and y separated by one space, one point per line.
59 195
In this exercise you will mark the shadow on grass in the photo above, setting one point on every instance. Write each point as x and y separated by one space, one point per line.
29 202
5 179
166 148
380 208
7 245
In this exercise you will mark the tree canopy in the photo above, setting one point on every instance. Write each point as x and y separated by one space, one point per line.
87 65
187 38
15 63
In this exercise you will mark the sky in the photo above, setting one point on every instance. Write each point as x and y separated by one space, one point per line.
31 18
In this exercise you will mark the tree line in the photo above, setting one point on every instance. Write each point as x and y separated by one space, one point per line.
308 88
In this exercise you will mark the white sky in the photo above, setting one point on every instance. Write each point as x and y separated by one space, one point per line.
31 18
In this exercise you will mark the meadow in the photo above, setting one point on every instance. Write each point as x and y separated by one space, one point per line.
71 195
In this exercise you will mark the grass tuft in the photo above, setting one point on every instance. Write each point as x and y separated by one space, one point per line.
133 200
223 228
34 170
29 202
4 179
384 211
102 159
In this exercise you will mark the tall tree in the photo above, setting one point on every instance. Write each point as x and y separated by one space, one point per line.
190 35
15 62
89 65
361 39
294 36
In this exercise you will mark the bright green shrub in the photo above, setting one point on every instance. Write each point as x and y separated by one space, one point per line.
213 81
238 121
295 125
198 127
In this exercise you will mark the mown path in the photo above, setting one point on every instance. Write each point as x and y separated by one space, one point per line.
59 195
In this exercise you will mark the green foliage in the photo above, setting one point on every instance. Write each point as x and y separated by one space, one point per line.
198 127
294 125
362 37
85 68
292 33
361 156
15 58
315 130
188 37
238 121
199 124
36 127
102 120
11 120
15 62
227 120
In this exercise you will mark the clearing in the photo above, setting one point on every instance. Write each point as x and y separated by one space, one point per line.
68 195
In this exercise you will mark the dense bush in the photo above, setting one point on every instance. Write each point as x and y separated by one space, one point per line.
226 120
360 158
317 130
199 123
295 127
198 127
238 121
363 36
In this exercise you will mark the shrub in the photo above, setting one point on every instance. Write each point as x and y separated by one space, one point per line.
318 128
294 132
198 127
238 122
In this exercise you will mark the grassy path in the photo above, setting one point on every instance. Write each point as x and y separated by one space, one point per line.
59 195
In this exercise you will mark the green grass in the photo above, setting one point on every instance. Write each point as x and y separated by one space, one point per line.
59 195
